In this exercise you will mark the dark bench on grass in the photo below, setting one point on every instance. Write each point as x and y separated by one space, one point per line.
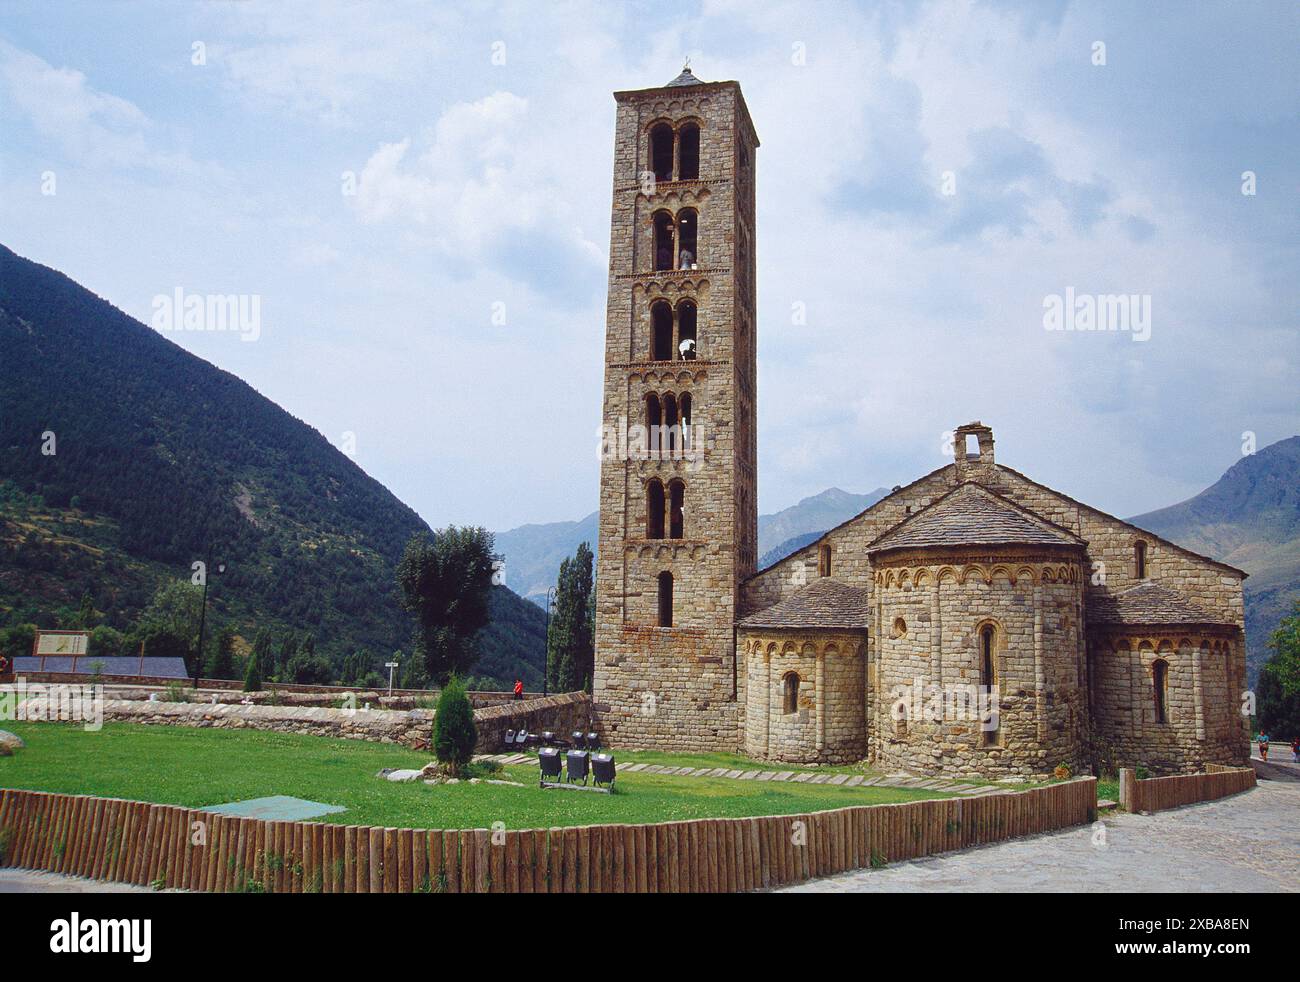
581 765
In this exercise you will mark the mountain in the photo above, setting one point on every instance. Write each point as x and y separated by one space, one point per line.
534 553
816 514
124 458
1250 518
792 545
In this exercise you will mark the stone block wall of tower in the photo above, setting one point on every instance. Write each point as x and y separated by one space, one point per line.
675 686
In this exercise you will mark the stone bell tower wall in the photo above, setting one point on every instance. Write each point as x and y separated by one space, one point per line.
675 686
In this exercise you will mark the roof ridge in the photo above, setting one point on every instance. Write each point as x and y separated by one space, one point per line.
1127 524
1001 501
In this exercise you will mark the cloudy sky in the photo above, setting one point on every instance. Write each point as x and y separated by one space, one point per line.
211 147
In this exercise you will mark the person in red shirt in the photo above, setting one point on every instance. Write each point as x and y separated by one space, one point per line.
519 689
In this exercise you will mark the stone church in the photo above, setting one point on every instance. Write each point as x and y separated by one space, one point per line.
973 622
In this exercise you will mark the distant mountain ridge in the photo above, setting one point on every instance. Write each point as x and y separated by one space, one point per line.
161 456
534 552
1250 518
816 513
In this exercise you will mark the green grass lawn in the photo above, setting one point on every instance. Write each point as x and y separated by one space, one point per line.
198 767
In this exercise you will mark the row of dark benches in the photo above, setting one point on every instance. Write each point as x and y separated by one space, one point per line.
578 765
521 740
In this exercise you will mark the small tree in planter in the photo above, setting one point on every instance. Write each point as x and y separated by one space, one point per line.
252 674
454 733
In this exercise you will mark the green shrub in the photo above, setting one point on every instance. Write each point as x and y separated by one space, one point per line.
454 734
252 675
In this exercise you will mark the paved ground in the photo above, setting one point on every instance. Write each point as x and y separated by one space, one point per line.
1246 843
794 777
29 881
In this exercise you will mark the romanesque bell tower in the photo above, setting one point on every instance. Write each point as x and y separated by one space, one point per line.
678 486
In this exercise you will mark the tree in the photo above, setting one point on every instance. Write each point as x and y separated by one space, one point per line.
413 674
356 667
288 651
221 663
454 733
306 667
17 640
1285 643
570 649
86 616
446 583
169 625
252 674
107 642
1278 693
264 652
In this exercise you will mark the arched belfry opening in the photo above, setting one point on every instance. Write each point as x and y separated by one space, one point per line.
687 323
661 151
654 509
688 153
661 331
688 255
664 237
676 509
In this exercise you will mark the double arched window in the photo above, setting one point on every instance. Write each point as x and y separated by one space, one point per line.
673 330
676 239
675 153
665 509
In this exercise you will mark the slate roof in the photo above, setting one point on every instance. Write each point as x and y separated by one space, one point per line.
973 515
170 668
685 78
825 603
1149 603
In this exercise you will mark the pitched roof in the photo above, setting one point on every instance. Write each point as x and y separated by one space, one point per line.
825 603
1148 603
685 78
973 515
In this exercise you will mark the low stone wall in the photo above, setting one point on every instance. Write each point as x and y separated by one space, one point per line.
1158 793
560 714
229 689
148 844
411 728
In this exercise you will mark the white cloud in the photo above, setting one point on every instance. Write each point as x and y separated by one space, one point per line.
91 127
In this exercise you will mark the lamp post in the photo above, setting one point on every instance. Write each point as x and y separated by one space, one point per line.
546 669
203 615
392 667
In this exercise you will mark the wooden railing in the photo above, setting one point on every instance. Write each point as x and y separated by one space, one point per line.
170 846
1155 794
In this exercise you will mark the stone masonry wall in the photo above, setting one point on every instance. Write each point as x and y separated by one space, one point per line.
675 687
1202 722
829 724
412 728
931 614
